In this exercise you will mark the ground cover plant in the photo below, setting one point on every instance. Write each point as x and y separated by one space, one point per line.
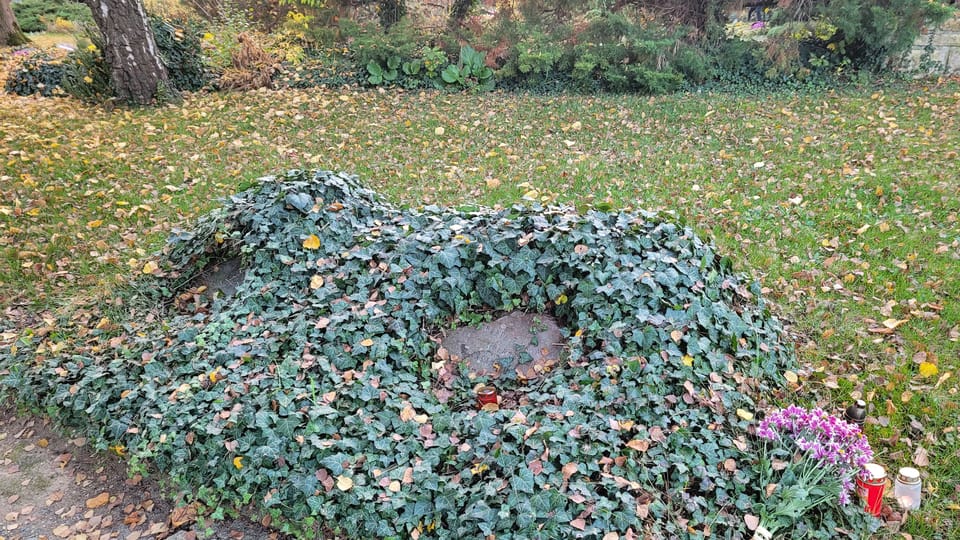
844 204
319 393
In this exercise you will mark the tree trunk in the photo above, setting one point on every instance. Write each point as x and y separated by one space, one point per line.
10 33
136 70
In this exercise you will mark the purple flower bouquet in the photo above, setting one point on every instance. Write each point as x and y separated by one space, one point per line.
809 459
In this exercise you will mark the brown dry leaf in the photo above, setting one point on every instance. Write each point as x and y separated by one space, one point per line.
752 521
639 445
921 458
568 470
98 501
730 465
183 515
579 524
611 536
408 476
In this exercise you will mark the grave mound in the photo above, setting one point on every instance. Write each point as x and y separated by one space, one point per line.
332 385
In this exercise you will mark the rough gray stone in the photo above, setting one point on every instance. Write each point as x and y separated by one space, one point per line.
518 343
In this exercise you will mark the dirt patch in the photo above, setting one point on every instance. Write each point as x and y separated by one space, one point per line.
524 344
53 486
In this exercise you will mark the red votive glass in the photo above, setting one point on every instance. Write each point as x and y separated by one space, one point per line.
871 489
485 395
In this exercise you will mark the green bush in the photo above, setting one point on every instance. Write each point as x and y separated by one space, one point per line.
322 68
317 391
872 34
37 15
35 75
179 44
86 75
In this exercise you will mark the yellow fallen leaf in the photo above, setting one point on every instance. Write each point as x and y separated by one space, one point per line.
687 360
316 281
394 486
479 468
238 462
94 224
150 267
311 242
928 369
344 483
438 130
367 342
744 414
790 376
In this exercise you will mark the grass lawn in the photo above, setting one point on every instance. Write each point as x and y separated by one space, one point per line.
845 205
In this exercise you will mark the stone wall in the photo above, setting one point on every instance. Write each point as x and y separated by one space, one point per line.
945 41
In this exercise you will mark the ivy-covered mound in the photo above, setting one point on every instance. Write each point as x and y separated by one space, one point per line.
315 391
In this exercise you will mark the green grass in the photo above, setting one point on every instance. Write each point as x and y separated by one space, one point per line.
845 205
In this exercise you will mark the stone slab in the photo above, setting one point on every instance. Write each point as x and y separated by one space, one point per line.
521 344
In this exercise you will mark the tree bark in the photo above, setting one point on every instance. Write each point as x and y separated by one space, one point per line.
130 50
10 33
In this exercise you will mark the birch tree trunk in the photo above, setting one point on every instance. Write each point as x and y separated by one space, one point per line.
10 33
130 50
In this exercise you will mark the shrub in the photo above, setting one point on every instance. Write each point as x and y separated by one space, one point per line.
40 15
251 67
321 68
86 74
178 41
872 34
318 392
36 74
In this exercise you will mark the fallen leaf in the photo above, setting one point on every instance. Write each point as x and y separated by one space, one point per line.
62 531
183 515
928 369
752 521
921 458
98 501
150 267
394 486
311 242
790 376
579 524
238 462
639 445
745 415
344 483
316 281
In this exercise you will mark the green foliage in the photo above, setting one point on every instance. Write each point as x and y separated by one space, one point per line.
470 72
871 34
322 68
38 15
35 75
86 74
178 41
314 391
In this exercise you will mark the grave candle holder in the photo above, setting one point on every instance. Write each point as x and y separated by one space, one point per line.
485 395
